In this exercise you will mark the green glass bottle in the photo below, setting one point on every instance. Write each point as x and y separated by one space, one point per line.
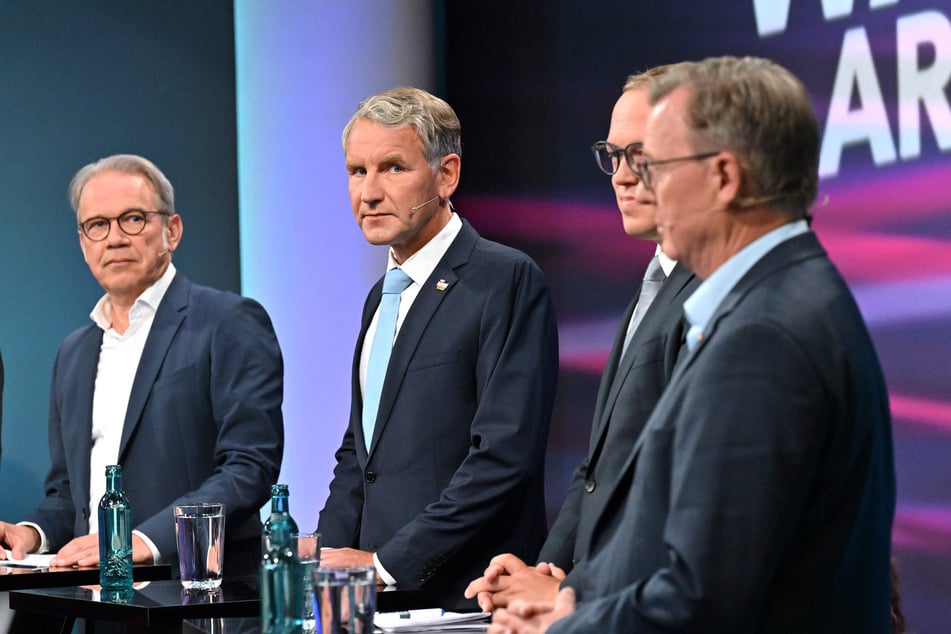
115 535
281 577
280 506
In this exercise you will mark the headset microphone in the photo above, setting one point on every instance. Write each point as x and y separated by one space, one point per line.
421 205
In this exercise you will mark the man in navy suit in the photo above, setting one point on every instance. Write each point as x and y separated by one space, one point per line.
179 384
641 362
450 467
1 398
760 496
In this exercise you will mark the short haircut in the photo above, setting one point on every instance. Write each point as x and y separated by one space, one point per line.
643 80
758 110
433 119
126 164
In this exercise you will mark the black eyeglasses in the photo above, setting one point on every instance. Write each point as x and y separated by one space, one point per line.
643 165
132 222
608 155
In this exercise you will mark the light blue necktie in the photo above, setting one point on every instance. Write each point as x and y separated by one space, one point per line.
654 278
394 283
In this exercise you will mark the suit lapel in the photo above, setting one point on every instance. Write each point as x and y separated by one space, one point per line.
77 439
168 318
417 320
653 322
783 255
611 367
369 308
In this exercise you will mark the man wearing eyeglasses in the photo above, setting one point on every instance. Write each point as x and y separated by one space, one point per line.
760 496
179 384
646 348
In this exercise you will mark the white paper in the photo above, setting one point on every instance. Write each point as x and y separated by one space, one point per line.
431 620
32 560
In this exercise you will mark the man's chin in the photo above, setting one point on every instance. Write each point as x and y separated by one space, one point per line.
641 230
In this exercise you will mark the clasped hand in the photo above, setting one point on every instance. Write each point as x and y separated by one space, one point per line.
508 578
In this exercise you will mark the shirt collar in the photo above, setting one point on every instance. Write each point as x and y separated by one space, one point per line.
145 304
701 305
666 264
421 264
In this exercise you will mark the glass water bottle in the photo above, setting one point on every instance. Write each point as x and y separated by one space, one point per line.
115 535
281 578
280 508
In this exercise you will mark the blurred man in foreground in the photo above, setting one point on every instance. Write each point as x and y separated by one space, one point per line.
648 343
760 496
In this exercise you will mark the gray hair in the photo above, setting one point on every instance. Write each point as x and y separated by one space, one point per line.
126 164
433 119
758 110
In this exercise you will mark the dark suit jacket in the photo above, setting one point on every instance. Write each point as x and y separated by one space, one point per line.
760 496
203 424
455 469
630 387
1 401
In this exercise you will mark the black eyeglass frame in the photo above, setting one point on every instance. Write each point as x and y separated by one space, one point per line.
128 213
614 153
643 169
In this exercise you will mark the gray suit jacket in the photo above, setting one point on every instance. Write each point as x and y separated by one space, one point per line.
630 387
760 496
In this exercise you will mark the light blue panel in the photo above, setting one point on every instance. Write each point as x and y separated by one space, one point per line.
302 68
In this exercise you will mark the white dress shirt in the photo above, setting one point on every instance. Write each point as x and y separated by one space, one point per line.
119 357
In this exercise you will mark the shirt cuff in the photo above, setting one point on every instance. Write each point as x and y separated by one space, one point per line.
380 570
44 543
156 555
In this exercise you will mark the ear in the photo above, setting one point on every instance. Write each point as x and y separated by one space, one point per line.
173 231
447 176
729 177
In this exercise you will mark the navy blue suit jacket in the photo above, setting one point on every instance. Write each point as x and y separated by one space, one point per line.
760 495
630 387
203 423
455 470
1 400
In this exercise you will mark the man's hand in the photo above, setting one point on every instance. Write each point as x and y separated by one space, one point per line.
508 578
84 551
345 557
19 539
524 617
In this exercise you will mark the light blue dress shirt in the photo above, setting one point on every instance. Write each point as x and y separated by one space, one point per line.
703 303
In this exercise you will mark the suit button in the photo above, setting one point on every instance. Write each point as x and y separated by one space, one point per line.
370 476
590 486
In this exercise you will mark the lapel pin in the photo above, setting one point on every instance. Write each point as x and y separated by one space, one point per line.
442 285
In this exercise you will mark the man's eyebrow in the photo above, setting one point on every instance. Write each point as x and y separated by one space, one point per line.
393 158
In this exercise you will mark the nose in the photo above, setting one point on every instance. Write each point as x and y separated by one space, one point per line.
371 188
625 175
116 235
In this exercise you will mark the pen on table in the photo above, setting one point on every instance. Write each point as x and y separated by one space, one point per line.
10 564
430 613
